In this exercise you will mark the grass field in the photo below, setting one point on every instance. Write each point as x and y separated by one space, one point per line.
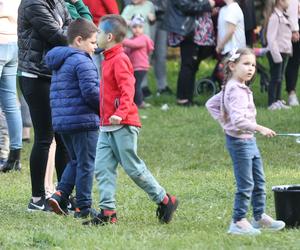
184 148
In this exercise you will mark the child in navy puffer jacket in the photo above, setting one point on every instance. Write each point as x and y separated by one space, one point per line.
74 100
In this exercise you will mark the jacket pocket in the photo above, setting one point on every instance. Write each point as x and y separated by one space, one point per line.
117 102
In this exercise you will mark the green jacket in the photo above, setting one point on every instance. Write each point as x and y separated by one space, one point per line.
79 9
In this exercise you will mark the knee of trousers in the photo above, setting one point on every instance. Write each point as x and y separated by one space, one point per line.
245 192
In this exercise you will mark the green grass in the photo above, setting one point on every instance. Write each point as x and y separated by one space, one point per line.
184 148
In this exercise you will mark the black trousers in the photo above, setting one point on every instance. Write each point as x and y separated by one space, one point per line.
292 68
277 73
139 77
191 56
36 93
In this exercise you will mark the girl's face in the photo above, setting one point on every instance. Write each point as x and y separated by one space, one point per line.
137 30
284 4
244 69
137 1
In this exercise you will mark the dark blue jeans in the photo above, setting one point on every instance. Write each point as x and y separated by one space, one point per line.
79 172
277 73
249 176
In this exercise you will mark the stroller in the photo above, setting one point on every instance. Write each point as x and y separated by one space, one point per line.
210 85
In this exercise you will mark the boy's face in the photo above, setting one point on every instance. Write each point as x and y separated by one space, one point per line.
88 45
103 39
137 30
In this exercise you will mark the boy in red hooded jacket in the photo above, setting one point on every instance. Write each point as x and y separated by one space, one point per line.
119 128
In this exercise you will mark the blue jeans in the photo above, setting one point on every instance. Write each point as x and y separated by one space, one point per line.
4 139
249 176
120 146
79 171
8 93
159 56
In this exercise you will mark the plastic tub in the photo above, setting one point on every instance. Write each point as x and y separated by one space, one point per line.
287 204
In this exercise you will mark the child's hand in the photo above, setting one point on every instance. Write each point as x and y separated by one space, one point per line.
151 17
295 36
115 120
212 3
265 131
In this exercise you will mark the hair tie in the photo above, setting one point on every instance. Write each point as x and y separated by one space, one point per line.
234 55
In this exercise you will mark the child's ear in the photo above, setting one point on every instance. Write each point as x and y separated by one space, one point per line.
231 66
78 40
109 37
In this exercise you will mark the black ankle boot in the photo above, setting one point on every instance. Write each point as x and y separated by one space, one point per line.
13 161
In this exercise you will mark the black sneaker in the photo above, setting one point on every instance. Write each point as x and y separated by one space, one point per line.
72 203
165 91
58 203
165 212
102 218
83 213
146 92
38 206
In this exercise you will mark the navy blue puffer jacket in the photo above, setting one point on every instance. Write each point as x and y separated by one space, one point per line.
74 92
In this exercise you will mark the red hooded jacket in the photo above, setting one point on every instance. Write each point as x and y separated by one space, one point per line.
117 88
99 8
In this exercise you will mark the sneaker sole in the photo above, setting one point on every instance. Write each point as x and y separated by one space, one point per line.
162 220
55 206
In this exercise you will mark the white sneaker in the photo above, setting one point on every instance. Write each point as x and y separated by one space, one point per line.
268 223
283 105
274 106
242 227
293 100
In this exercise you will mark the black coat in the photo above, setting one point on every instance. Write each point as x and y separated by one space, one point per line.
42 25
181 15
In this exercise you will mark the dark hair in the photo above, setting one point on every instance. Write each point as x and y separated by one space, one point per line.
114 24
81 27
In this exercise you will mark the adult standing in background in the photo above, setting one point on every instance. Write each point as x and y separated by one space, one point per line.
8 74
292 68
248 9
159 56
191 28
42 25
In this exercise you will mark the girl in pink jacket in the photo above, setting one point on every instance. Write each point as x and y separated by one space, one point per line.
279 39
234 109
138 48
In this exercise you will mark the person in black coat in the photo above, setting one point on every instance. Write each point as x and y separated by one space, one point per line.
248 9
190 26
42 25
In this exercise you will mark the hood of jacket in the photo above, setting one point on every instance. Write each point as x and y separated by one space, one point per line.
56 57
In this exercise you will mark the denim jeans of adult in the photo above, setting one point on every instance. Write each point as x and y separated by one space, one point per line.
8 93
139 77
120 146
159 56
36 93
249 176
191 55
4 139
79 171
277 73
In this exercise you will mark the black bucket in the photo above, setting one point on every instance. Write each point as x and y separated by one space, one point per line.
287 204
